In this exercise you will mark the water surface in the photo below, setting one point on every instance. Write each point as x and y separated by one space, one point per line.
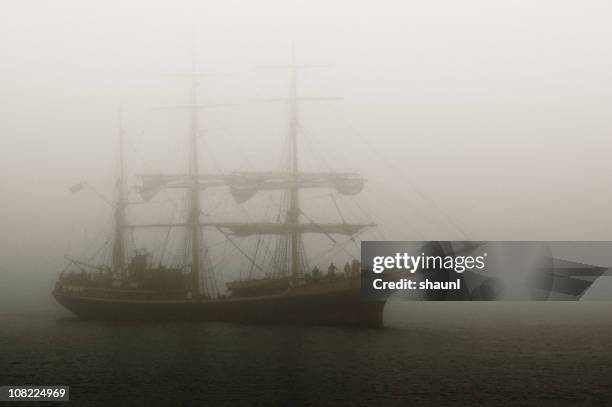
435 354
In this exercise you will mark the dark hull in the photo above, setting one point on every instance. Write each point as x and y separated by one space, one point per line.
302 307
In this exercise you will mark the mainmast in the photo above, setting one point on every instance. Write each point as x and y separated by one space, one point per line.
243 185
194 173
120 208
202 278
294 192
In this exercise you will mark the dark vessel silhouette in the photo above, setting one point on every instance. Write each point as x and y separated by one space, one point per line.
136 288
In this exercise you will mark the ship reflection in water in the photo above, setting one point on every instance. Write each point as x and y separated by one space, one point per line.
506 354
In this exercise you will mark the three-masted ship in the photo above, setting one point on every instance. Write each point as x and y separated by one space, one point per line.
287 292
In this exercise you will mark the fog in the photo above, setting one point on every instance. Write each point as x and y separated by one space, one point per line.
470 120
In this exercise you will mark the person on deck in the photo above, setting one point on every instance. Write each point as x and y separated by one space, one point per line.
347 269
356 267
331 270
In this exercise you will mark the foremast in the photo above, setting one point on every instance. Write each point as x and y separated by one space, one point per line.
119 248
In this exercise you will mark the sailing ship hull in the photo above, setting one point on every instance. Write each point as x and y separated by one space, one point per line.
301 306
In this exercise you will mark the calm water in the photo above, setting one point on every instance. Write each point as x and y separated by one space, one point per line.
437 354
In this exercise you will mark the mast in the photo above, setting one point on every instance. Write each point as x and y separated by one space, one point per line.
120 207
294 193
202 278
243 185
194 173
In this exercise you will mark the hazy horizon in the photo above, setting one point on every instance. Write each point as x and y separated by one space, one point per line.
495 116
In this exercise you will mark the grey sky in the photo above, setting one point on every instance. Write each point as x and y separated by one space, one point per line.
496 111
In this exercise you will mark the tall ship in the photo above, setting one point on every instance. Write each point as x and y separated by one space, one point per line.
280 287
